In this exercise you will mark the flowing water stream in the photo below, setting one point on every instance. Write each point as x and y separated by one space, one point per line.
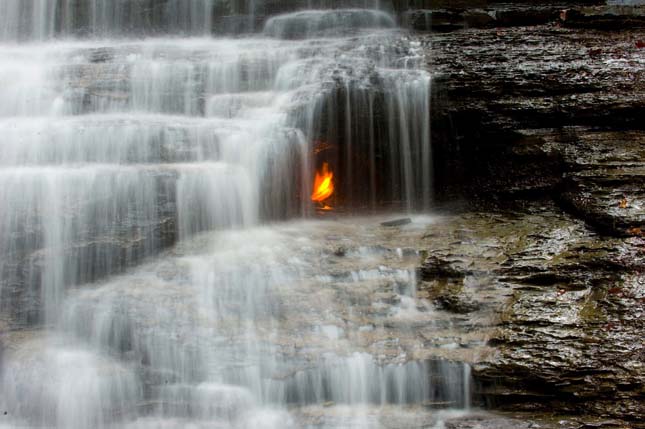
157 268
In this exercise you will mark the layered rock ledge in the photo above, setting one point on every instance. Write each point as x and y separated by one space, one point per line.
542 123
544 110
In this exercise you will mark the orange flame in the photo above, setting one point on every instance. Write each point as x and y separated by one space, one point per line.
323 185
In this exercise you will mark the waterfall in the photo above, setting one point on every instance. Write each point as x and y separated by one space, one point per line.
44 19
154 181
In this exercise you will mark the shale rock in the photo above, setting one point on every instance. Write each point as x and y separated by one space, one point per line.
433 20
434 268
612 17
543 110
567 305
456 304
551 112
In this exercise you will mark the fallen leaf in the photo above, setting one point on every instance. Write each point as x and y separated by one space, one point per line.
623 203
640 44
635 231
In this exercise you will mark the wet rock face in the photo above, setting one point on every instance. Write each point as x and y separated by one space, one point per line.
128 234
445 16
444 285
606 181
546 111
307 24
611 17
435 268
575 344
567 306
433 20
543 110
487 422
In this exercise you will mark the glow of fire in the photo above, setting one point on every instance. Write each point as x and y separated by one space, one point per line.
323 185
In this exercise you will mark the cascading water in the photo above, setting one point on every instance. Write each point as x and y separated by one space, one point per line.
115 147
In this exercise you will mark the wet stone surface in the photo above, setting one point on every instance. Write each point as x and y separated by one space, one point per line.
567 306
546 111
375 321
548 314
543 110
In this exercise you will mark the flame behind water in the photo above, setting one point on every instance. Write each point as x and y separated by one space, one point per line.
323 185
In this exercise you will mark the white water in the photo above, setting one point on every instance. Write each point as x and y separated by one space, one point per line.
114 149
43 19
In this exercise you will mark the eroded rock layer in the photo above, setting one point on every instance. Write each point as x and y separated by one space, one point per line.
550 112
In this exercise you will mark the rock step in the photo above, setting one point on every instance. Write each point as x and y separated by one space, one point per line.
451 18
140 138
